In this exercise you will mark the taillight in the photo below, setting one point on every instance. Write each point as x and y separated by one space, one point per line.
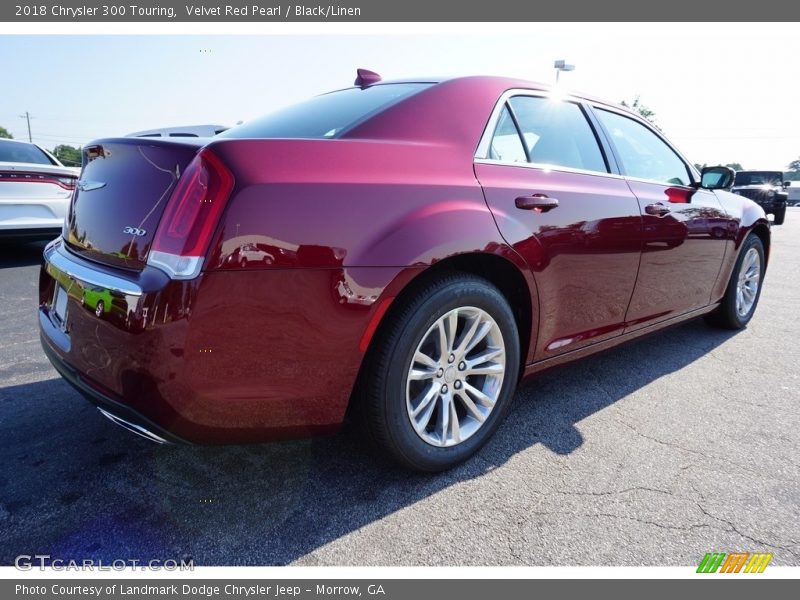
66 182
191 216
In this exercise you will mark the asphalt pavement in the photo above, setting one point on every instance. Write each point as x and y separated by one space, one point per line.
654 453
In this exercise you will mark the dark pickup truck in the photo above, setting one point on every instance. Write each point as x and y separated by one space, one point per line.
766 188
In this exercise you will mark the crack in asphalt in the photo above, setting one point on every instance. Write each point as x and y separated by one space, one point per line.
732 527
725 459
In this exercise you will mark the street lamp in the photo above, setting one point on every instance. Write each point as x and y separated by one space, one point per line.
561 65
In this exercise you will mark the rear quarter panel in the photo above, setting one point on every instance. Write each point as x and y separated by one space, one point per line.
349 224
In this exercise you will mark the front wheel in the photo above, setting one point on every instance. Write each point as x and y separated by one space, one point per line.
441 378
744 288
779 216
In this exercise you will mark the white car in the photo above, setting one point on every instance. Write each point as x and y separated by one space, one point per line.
35 190
184 131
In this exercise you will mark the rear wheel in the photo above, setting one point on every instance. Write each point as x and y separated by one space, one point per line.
744 288
441 378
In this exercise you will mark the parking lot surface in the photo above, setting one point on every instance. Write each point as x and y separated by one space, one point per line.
654 453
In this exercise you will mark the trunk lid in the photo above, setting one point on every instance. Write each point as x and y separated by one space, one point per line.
123 190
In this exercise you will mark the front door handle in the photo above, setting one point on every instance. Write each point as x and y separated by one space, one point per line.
537 202
657 210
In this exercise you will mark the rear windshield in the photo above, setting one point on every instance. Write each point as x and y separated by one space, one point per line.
20 152
758 178
326 116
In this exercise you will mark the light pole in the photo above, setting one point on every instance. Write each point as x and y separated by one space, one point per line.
561 65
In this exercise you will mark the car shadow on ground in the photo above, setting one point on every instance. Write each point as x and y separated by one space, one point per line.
75 486
17 254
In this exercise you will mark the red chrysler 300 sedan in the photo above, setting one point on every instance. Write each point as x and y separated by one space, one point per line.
407 250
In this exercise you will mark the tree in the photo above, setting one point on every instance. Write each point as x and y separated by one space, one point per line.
735 166
4 133
644 111
793 174
69 155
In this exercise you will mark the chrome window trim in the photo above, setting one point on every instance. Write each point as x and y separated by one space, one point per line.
661 183
545 167
482 151
694 175
56 259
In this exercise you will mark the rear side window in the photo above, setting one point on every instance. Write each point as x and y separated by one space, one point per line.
644 155
326 116
20 152
557 133
506 143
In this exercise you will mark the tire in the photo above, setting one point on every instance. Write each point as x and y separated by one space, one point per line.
779 216
728 315
390 393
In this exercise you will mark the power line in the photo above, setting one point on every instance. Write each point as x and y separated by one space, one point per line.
59 138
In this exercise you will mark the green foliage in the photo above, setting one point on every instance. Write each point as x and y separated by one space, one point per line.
638 107
735 166
69 155
793 174
4 133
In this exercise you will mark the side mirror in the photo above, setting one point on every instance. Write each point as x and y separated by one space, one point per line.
717 178
787 184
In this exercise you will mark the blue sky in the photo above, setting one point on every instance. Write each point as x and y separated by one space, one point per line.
721 92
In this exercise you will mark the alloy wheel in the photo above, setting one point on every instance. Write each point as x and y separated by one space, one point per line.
455 376
749 280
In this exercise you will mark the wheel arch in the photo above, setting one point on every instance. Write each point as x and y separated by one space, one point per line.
506 271
762 230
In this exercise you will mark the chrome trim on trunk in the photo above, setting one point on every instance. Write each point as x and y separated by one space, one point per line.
56 258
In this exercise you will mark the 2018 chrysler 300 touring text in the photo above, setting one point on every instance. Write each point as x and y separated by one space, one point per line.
429 244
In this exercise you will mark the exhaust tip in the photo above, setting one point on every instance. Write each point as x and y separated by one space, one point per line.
137 429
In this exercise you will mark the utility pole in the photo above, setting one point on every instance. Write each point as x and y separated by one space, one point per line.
27 117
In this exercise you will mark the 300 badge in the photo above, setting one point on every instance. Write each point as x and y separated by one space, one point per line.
134 231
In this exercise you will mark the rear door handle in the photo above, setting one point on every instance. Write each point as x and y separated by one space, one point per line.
657 209
537 202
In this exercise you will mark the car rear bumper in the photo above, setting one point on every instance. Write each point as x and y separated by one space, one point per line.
30 234
229 357
32 213
113 408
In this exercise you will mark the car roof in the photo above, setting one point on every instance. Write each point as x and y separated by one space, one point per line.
451 111
503 84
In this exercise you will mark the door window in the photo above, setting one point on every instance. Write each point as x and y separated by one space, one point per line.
557 133
644 155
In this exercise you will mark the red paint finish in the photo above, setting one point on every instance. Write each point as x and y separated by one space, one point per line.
682 251
230 356
584 254
374 321
320 239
